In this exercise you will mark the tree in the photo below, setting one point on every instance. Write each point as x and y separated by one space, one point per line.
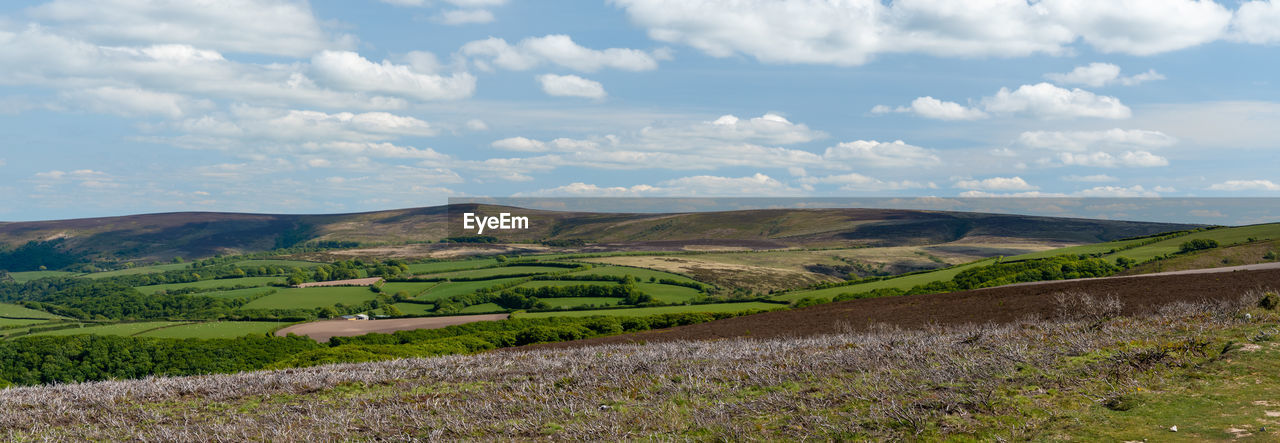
392 310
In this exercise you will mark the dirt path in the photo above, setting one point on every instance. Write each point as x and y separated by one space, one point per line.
1140 294
322 331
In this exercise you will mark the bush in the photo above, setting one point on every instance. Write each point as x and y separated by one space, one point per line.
810 301
1269 301
1270 255
1198 245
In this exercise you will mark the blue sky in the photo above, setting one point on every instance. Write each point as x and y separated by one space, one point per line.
129 106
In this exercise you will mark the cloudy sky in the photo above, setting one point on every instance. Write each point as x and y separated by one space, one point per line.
112 107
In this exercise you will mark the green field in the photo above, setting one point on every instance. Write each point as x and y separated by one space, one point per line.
447 266
414 289
4 322
139 270
905 282
482 308
205 284
12 310
570 302
220 329
563 283
669 293
640 274
124 329
308 298
1224 237
281 263
449 289
238 293
490 272
23 277
642 312
414 308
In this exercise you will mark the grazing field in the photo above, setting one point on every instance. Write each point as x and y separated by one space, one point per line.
220 329
122 329
322 331
1224 237
139 270
563 283
449 289
5 322
337 283
23 277
1243 254
449 266
279 263
12 310
754 278
642 312
482 308
573 302
239 293
413 289
499 271
904 282
414 308
309 298
218 283
669 293
641 274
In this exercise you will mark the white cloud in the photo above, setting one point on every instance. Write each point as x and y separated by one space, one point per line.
458 3
1081 141
465 17
854 182
997 184
854 31
700 185
1117 191
352 72
1102 74
1047 101
769 128
476 124
1245 185
1097 178
520 144
1133 159
135 102
275 124
275 27
930 107
896 154
571 86
1257 22
555 49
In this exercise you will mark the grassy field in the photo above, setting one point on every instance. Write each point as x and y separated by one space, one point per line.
308 298
23 277
448 266
221 329
1224 237
4 322
641 312
139 270
219 283
239 293
414 308
563 283
449 289
491 272
124 329
640 274
286 263
481 308
414 289
669 293
570 302
905 282
12 310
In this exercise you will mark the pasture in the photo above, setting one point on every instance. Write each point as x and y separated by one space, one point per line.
904 282
449 266
641 274
207 284
122 329
573 302
669 293
23 277
499 271
218 329
309 298
642 312
17 311
449 289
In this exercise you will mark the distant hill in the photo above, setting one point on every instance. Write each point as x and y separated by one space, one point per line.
154 237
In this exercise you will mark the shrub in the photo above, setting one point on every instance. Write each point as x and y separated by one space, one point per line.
1270 255
1269 300
810 301
1199 244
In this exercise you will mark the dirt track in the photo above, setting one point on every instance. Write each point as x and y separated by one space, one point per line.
322 331
1140 294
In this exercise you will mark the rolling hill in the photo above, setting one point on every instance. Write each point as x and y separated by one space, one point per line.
157 237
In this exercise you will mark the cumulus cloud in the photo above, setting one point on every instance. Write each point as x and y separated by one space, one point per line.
1256 22
855 182
930 107
1245 185
1102 74
465 17
1117 191
133 102
1132 159
853 32
276 124
555 49
700 185
275 27
571 86
1080 141
997 184
1041 100
1096 178
896 154
350 71
769 128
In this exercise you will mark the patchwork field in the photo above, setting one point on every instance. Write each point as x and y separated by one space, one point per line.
222 329
16 311
310 298
449 289
124 329
642 312
23 277
218 283
494 272
449 266
322 331
574 302
413 289
640 273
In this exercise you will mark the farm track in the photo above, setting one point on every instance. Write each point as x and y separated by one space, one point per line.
1140 294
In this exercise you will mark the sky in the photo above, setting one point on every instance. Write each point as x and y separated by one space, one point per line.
114 107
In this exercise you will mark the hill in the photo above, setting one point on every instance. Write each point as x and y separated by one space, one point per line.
160 237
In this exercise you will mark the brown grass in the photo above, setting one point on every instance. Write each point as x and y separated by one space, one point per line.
322 331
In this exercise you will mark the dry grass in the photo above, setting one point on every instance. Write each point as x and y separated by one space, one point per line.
888 384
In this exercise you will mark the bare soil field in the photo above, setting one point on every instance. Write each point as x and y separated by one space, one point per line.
1139 294
322 331
351 282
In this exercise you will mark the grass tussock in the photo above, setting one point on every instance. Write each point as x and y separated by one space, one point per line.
1027 379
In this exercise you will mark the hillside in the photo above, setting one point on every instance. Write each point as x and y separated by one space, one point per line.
160 237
